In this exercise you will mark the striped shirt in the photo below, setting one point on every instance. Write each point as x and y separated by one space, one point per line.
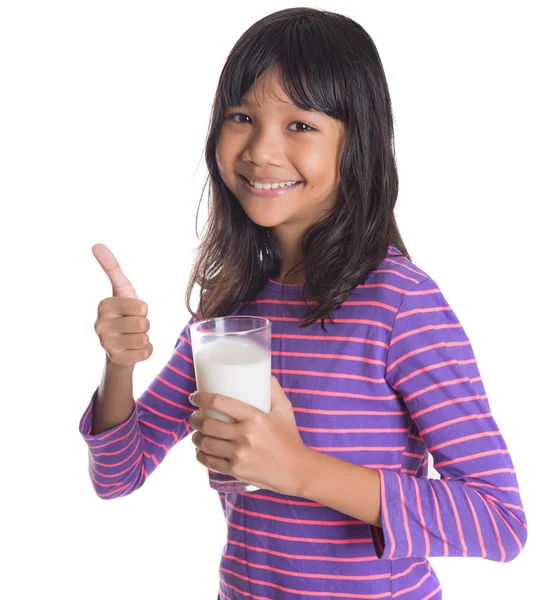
393 379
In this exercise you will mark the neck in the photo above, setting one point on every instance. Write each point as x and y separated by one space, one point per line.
295 279
288 243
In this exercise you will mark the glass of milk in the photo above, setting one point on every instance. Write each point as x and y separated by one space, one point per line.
232 357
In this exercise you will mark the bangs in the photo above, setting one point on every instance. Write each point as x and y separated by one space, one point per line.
327 63
306 55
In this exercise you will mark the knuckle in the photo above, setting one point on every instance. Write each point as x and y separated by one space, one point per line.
212 463
209 427
199 424
235 468
202 444
247 438
257 419
105 305
205 423
241 453
218 402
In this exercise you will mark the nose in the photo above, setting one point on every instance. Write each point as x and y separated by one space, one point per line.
264 146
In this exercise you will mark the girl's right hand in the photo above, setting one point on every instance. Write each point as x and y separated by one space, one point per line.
121 323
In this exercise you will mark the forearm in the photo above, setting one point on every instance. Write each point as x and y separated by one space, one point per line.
348 488
114 403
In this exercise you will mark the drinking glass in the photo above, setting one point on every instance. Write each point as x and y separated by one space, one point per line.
232 357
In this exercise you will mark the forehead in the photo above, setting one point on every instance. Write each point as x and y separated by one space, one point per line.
268 89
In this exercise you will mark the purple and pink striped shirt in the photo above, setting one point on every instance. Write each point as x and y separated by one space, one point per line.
393 379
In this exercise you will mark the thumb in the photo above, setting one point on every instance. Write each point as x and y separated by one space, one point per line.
277 395
121 286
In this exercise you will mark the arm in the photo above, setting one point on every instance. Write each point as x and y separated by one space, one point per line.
114 402
123 453
348 488
475 508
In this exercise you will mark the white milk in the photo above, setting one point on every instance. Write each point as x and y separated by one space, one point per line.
236 367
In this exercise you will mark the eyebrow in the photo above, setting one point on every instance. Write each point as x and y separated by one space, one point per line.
288 105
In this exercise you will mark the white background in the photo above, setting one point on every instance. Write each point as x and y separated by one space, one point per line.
104 108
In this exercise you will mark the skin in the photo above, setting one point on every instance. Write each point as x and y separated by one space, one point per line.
266 450
271 140
267 137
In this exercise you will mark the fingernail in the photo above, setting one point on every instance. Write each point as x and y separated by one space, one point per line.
192 397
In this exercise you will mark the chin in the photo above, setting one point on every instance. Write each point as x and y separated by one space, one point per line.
262 213
265 220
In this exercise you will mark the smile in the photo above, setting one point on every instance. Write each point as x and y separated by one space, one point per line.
279 191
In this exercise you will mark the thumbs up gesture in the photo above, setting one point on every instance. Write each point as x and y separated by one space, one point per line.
121 322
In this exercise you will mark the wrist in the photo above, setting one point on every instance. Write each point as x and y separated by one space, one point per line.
304 472
118 367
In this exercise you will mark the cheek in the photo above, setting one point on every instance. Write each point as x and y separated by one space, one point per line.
317 170
325 175
219 156
224 154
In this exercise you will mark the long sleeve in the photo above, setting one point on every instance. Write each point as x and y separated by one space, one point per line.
475 508
121 458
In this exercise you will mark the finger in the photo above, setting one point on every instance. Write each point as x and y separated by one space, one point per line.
220 465
129 357
126 307
132 324
121 286
214 446
129 341
213 427
236 409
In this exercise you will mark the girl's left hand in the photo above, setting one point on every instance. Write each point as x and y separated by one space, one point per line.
262 449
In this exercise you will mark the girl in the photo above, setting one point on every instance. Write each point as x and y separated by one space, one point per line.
346 508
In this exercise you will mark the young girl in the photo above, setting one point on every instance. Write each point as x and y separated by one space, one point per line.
345 507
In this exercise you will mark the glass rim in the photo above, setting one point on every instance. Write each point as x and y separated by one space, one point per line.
195 326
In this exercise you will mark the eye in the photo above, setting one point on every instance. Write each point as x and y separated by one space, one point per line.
309 127
305 125
230 117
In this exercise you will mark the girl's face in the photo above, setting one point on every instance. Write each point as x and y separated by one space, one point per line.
267 139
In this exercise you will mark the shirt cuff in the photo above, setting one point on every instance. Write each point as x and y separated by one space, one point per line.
110 435
384 540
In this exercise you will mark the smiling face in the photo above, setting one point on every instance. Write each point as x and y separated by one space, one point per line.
268 139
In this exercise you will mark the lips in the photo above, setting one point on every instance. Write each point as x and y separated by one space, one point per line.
276 192
287 187
248 179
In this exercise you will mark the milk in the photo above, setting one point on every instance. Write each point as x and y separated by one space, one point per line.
236 367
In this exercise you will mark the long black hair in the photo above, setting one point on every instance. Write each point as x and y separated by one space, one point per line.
327 62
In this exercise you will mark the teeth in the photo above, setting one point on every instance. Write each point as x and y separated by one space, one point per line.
270 186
